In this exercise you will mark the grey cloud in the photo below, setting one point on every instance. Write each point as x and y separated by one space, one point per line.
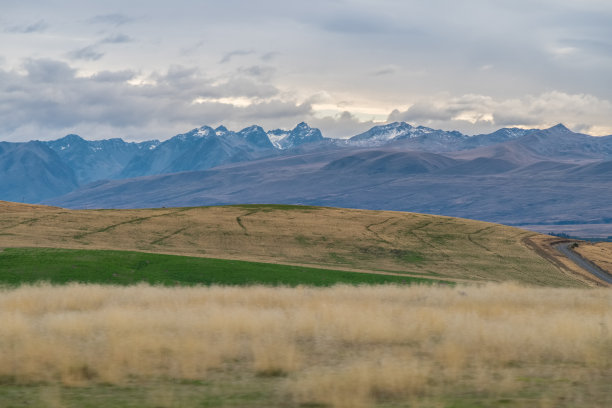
448 113
354 24
258 71
179 80
277 109
93 53
341 126
46 70
89 53
385 71
478 113
37 27
422 112
338 17
242 86
348 50
116 39
269 56
115 19
588 45
589 18
179 74
51 96
113 76
510 119
237 53
190 50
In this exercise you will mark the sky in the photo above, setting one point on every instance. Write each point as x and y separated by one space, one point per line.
144 70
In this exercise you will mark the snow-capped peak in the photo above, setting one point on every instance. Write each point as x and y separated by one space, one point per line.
385 133
221 130
205 131
301 134
276 136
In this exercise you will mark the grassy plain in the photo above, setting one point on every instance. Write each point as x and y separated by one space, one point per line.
369 346
330 238
29 265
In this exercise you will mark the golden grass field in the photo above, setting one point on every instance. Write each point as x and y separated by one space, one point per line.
367 241
599 253
378 346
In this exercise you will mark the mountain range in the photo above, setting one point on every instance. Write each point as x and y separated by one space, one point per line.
549 179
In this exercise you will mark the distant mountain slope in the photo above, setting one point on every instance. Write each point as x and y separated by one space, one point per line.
97 159
561 143
390 163
557 142
499 136
417 138
31 172
61 165
488 189
302 134
432 140
205 147
199 149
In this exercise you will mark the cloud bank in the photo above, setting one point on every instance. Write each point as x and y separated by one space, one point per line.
151 69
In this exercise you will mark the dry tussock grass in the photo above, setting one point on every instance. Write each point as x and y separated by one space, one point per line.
599 253
342 346
419 244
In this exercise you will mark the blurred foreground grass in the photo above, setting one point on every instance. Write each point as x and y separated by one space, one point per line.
343 346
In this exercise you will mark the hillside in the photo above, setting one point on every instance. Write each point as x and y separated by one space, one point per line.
32 171
335 238
505 187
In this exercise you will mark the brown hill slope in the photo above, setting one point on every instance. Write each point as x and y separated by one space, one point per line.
369 241
599 253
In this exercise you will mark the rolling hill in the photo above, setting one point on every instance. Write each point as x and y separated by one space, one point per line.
331 238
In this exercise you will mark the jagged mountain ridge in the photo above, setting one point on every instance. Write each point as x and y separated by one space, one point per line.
97 159
77 162
402 131
205 147
39 170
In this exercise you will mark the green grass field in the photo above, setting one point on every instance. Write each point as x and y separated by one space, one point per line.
58 266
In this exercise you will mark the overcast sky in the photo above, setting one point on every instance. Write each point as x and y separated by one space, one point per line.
152 69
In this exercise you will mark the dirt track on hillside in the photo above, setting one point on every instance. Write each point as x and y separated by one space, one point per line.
544 246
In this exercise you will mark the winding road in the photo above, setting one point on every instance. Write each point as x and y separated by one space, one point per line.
565 249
